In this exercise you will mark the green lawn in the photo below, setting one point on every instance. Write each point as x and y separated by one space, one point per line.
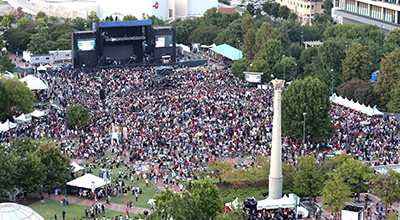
147 192
51 207
3 3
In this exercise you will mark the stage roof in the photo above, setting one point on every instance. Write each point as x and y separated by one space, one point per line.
113 24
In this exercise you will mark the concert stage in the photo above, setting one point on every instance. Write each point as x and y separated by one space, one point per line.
124 43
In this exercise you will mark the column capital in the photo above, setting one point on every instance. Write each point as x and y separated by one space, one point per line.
278 83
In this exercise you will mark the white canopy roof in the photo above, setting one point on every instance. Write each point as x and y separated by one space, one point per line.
37 113
76 166
86 181
284 202
355 105
7 125
23 118
14 211
42 68
234 204
33 82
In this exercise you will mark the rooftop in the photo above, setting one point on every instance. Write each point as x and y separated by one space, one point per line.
228 51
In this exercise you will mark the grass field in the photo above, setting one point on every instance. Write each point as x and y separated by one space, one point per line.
3 3
51 207
147 192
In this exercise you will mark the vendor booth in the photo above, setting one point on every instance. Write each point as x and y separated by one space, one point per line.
34 83
287 206
88 181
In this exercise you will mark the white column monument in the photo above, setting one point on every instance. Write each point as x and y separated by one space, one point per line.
275 174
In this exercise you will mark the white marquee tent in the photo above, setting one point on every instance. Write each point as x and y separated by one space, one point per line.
7 125
284 202
368 110
76 166
86 181
23 118
34 83
37 114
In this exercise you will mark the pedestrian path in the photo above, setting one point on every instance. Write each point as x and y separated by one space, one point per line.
88 202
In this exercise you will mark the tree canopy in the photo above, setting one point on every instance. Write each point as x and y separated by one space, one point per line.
20 96
308 96
78 115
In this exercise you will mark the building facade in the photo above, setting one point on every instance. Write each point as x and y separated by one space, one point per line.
304 9
385 13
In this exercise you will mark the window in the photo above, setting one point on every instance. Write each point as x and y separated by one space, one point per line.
170 14
308 6
312 6
301 5
322 6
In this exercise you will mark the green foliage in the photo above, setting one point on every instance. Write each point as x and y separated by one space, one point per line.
228 195
37 44
386 187
351 32
203 204
328 5
157 22
17 38
356 64
53 19
231 35
226 2
393 37
8 171
293 16
41 14
204 35
24 23
4 102
389 75
79 24
6 22
358 90
394 103
284 12
184 29
240 66
5 62
40 22
308 96
78 115
306 58
335 194
268 60
308 177
214 17
265 33
11 16
247 25
295 50
249 48
21 98
129 18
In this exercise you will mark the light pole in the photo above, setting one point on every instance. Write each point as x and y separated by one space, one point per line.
347 44
381 34
333 73
58 49
304 129
284 67
83 68
301 42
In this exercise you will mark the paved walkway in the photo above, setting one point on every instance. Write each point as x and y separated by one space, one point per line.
88 202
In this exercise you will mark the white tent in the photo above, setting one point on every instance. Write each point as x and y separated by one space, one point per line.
284 202
37 114
355 105
86 181
233 205
23 118
76 166
7 125
33 82
47 66
42 68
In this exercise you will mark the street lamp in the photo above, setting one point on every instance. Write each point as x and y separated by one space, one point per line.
83 68
304 129
58 49
301 43
347 44
284 67
333 73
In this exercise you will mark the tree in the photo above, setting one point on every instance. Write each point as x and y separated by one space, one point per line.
202 205
40 22
356 64
19 13
268 59
17 38
295 50
358 90
393 37
389 75
265 33
31 175
293 16
232 35
335 194
274 10
6 22
184 29
129 18
4 102
240 66
78 115
394 103
8 171
284 12
24 23
354 173
308 96
328 5
53 19
250 9
308 178
37 44
204 34
5 62
79 24
157 22
21 98
247 25
55 163
306 58
11 16
62 44
249 49
386 187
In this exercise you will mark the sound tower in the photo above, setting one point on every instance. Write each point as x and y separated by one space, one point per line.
102 94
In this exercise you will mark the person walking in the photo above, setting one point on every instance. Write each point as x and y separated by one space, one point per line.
63 214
